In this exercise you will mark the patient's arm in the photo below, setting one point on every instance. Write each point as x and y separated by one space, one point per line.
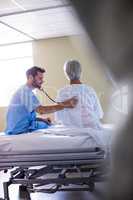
70 103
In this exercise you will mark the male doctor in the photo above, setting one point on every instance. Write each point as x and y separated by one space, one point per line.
21 114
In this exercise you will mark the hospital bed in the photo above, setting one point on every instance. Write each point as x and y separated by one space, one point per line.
53 160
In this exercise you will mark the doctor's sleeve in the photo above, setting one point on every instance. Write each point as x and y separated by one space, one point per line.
29 100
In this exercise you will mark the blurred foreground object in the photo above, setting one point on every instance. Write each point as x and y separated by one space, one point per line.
109 25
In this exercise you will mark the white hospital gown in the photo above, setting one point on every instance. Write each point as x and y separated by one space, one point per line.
87 112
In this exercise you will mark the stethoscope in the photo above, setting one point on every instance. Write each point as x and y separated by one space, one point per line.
42 90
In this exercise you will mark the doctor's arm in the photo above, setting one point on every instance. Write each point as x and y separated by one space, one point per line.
70 103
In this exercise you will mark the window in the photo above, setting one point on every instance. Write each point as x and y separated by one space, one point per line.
120 100
14 61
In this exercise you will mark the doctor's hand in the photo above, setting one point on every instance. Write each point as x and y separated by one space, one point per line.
46 120
70 103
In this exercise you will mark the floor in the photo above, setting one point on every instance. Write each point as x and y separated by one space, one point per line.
14 193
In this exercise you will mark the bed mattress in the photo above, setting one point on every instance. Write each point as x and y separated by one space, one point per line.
55 138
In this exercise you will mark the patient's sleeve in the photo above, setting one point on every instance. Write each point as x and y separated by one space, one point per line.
96 105
62 95
60 116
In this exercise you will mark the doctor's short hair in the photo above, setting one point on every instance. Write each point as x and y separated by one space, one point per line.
34 70
72 69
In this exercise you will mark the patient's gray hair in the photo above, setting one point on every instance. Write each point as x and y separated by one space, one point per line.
72 69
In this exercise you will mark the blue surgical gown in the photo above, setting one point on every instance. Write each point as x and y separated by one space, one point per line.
21 115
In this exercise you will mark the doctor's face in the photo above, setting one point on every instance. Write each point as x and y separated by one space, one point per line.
38 80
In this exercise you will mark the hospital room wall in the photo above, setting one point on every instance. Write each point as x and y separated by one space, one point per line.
3 111
51 55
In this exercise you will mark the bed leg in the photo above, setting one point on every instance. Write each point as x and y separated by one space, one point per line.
24 193
6 190
91 186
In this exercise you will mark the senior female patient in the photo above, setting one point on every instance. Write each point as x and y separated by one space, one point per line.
88 111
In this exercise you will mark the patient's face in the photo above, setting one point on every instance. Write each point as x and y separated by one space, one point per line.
38 80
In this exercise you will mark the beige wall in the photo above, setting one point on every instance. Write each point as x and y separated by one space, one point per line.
2 118
52 53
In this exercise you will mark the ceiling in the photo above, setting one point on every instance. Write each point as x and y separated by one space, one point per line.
27 20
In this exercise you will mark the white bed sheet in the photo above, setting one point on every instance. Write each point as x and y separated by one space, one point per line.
56 137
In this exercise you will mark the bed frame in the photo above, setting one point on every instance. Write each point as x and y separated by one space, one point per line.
51 171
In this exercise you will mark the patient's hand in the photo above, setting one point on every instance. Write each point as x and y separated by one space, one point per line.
70 103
